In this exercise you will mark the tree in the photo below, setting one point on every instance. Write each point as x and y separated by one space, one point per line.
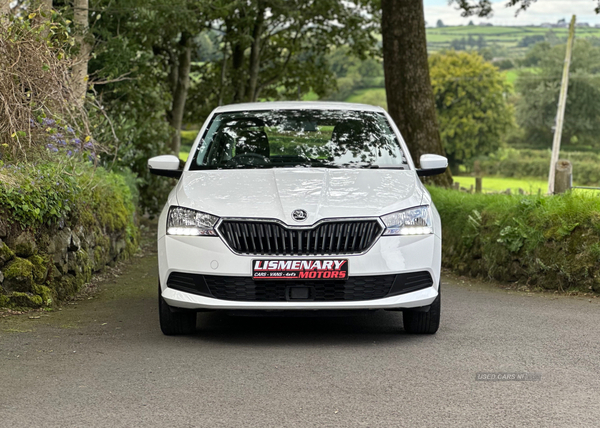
535 54
404 47
536 108
483 8
160 63
408 87
439 24
527 41
470 99
166 32
471 24
79 77
278 49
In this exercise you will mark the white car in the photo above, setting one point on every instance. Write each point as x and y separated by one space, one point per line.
291 206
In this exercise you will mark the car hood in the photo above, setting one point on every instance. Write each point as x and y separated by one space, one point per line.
276 192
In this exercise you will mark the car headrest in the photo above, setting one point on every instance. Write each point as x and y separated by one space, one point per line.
350 132
252 141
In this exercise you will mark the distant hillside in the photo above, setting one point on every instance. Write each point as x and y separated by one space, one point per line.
509 38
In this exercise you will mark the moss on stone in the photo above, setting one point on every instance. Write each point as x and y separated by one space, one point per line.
6 254
3 301
40 267
18 275
25 245
24 300
98 257
52 263
86 218
69 285
47 294
85 264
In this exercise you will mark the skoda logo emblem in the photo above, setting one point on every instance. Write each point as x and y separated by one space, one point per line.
299 215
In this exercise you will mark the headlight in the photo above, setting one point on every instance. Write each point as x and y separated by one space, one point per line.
415 221
183 221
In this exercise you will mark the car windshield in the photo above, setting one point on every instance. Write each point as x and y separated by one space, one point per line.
299 138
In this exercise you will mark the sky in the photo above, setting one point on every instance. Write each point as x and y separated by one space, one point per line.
539 12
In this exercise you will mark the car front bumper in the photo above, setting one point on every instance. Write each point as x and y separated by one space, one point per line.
390 255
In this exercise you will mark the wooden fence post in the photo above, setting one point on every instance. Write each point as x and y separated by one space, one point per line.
478 179
563 179
478 184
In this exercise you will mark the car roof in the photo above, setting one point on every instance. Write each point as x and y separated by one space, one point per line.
298 105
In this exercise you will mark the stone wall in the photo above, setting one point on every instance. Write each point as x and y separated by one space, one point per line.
42 268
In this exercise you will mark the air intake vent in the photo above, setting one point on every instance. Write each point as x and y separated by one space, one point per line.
272 238
244 289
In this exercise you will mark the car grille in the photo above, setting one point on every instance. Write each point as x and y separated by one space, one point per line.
247 289
272 238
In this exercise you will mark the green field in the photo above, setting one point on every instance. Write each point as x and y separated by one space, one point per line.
508 37
500 184
371 96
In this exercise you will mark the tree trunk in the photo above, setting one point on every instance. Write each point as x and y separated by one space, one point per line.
407 83
223 74
80 68
255 52
237 64
184 61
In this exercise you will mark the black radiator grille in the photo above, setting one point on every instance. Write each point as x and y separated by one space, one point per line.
274 290
271 238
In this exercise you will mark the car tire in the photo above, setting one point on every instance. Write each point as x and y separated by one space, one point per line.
175 322
419 322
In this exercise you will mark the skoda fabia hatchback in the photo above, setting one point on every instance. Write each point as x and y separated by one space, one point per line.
299 206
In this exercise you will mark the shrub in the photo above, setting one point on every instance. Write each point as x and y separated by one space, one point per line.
550 242
35 195
38 107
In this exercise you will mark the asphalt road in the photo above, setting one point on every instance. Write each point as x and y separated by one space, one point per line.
103 362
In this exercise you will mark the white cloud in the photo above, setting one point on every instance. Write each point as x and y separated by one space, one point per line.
539 12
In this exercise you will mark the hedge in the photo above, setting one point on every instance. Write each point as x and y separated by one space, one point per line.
552 242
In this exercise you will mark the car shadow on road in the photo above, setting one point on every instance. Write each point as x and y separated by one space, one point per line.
310 329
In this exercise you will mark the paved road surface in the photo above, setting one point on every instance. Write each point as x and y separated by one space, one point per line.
103 362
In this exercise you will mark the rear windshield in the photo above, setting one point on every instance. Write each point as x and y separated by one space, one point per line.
299 138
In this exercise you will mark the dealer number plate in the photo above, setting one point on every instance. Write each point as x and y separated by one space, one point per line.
300 269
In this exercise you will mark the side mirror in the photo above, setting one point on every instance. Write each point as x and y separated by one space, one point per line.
432 165
165 165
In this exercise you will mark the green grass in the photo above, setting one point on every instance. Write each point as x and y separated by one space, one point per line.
511 76
500 184
372 96
311 96
529 185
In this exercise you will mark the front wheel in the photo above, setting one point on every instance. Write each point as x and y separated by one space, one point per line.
416 322
175 322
